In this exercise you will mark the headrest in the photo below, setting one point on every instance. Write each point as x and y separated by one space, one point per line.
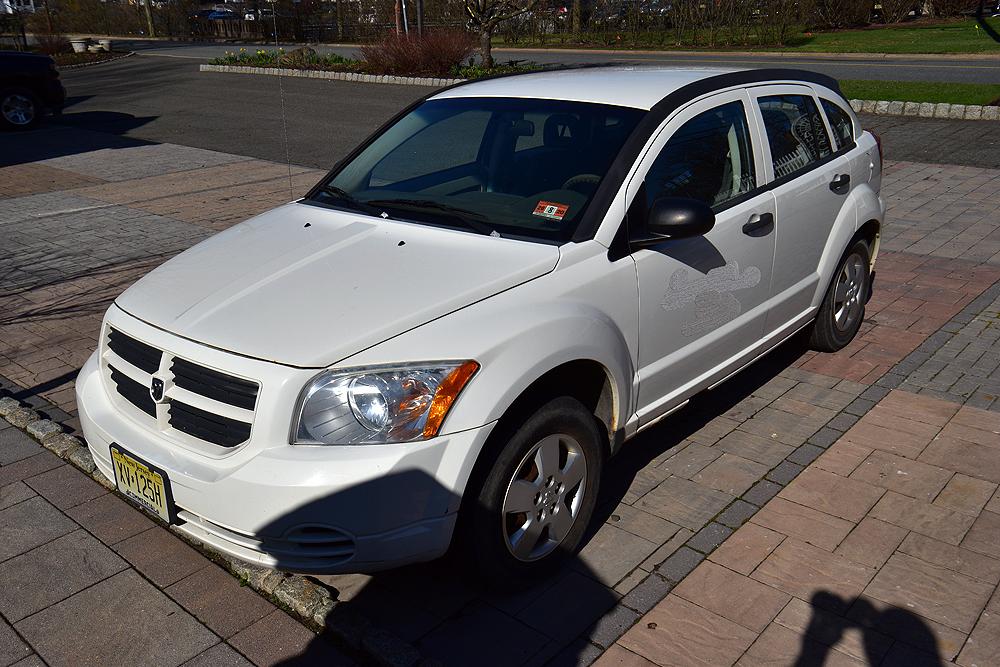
563 130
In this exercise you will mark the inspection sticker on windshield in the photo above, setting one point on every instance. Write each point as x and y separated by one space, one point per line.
551 210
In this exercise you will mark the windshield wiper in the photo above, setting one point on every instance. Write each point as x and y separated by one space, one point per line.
347 198
469 219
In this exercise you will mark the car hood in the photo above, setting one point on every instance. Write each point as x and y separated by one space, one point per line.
307 286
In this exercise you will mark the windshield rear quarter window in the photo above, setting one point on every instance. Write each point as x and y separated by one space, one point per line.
517 167
840 121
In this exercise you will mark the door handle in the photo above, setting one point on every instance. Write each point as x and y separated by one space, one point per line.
759 224
840 183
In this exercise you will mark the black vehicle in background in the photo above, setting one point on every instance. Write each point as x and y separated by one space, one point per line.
29 87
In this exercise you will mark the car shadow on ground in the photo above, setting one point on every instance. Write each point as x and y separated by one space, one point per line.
450 615
70 134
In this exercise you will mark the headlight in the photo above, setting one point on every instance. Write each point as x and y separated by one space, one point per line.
379 405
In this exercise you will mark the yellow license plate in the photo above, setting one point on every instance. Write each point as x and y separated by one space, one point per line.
137 481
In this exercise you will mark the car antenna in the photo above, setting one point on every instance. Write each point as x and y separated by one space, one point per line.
281 96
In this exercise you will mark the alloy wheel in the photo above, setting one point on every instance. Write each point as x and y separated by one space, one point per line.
18 109
544 498
848 299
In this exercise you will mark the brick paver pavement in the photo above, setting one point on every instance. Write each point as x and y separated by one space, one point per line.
87 579
669 500
885 550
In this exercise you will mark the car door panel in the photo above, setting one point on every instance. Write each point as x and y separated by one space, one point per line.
703 301
804 172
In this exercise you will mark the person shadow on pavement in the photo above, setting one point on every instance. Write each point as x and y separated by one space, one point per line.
826 628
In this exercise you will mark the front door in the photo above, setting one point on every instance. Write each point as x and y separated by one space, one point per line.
702 301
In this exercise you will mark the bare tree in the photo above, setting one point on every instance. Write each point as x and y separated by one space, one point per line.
149 17
485 15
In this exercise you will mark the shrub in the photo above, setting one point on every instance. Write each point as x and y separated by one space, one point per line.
894 11
436 53
954 7
840 13
53 44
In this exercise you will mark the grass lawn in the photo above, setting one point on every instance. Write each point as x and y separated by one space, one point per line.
951 37
924 36
921 91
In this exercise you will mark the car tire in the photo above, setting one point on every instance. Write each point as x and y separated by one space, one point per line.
538 496
843 308
19 109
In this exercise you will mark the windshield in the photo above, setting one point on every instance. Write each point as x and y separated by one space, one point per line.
520 168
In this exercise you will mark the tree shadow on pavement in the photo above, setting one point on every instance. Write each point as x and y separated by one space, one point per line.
877 626
449 615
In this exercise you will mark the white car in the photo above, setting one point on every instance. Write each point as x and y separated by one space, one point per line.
453 331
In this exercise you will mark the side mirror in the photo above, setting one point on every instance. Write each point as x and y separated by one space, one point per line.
673 218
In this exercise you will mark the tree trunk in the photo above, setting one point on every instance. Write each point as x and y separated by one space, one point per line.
399 17
149 17
577 18
486 46
340 20
48 17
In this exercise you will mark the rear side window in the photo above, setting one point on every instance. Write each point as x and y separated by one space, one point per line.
840 121
709 158
795 132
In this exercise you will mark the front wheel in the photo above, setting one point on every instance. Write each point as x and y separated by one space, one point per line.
539 495
19 108
843 308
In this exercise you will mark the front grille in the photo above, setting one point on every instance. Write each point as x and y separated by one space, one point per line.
138 354
133 392
207 426
198 421
213 384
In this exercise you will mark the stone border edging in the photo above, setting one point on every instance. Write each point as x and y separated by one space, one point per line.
877 107
336 76
97 62
311 603
927 109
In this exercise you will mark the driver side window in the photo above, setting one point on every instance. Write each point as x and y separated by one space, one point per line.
709 159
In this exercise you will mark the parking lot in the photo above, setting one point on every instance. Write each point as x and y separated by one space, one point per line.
784 486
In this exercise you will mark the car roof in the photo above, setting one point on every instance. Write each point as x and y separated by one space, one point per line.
641 87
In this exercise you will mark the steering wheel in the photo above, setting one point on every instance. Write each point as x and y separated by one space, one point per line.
587 181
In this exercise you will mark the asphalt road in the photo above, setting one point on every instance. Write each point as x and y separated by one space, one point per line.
847 66
169 100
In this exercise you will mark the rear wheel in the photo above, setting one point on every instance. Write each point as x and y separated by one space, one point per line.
539 495
843 309
19 108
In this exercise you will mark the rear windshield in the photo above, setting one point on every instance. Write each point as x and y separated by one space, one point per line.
522 168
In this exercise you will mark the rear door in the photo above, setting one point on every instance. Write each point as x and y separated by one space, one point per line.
810 183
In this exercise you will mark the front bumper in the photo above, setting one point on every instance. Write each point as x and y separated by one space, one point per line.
299 508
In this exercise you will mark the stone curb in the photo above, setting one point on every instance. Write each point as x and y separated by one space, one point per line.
307 600
98 62
336 76
927 109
